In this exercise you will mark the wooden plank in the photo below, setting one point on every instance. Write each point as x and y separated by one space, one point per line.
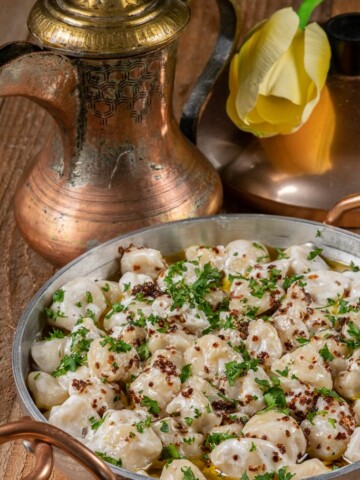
13 16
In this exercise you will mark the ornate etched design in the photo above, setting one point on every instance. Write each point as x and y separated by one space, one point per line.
126 26
105 4
132 82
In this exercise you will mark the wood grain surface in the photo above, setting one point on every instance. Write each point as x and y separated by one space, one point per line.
23 130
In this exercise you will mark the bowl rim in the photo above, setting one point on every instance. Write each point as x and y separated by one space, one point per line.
20 384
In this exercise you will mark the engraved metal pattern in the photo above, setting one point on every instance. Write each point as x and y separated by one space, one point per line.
108 4
131 82
107 28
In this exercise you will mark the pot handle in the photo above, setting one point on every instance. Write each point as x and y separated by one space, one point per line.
42 436
226 44
351 202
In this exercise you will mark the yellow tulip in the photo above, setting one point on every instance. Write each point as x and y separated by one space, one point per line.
277 76
307 151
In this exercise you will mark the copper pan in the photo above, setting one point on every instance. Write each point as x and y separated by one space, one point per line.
102 262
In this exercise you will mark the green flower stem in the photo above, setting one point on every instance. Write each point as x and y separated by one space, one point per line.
305 11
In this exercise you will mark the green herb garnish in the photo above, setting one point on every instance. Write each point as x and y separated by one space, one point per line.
106 458
314 253
170 452
115 345
144 352
216 438
326 354
95 423
55 334
186 373
151 405
58 296
234 369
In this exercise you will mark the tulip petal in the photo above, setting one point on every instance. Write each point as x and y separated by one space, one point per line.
317 55
276 79
288 78
259 53
278 110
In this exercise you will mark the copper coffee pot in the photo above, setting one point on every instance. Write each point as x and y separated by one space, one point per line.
118 161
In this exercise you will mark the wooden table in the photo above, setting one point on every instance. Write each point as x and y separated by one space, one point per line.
23 129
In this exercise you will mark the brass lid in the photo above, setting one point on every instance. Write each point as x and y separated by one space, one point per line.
106 28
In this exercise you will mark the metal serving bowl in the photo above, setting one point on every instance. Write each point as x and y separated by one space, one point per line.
102 262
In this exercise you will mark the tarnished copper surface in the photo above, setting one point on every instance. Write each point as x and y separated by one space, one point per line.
42 436
121 162
117 160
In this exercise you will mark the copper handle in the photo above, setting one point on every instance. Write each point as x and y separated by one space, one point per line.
226 44
42 436
350 202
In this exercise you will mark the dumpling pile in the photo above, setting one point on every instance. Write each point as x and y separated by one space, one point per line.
235 360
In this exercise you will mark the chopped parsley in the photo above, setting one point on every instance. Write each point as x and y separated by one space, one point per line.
170 452
314 253
280 254
140 426
312 414
188 474
290 280
189 440
52 315
79 342
332 422
353 267
89 297
241 348
144 352
106 287
95 423
151 405
90 314
189 421
216 438
234 369
69 363
326 354
259 246
58 296
325 392
265 476
259 286
55 334
354 332
186 373
106 458
197 412
302 340
116 308
115 345
283 373
208 279
274 396
253 447
284 475
164 427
